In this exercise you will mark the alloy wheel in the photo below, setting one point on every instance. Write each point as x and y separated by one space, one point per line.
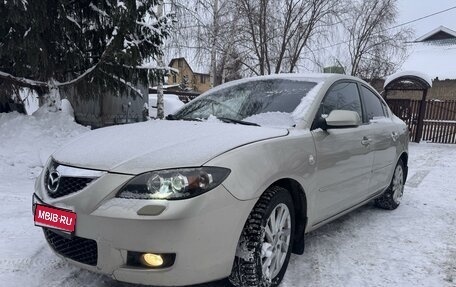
398 184
277 236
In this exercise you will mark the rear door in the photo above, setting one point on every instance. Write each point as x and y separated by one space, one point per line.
344 155
384 135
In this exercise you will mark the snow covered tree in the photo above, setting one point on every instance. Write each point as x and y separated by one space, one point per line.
97 45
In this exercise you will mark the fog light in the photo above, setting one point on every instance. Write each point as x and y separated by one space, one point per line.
152 260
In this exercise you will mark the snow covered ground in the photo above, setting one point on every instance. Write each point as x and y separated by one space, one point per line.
414 245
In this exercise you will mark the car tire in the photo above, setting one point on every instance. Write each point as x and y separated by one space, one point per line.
392 197
264 249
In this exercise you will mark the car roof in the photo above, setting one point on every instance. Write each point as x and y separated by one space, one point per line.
310 77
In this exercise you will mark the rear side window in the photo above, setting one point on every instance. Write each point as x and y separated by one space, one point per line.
374 106
341 96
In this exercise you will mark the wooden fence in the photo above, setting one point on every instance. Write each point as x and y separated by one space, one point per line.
439 125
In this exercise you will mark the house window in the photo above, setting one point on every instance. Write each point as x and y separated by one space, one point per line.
202 79
180 63
174 78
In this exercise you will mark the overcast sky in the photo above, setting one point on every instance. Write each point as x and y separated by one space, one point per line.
412 9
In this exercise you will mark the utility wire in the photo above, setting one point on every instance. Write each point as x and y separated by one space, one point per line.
394 27
421 18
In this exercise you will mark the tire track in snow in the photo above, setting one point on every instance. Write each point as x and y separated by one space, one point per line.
417 178
26 264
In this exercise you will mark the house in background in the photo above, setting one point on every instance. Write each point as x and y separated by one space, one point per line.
187 79
433 54
428 109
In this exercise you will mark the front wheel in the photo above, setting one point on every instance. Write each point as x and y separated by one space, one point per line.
392 197
265 245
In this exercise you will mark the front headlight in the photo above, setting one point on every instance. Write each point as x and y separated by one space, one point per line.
174 184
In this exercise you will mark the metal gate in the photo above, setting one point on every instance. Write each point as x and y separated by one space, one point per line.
439 124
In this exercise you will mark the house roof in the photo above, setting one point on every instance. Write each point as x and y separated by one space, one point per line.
435 58
182 58
439 33
177 59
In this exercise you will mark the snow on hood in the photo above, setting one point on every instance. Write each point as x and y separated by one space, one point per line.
142 147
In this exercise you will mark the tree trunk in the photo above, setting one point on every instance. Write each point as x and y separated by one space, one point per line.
51 100
214 43
160 102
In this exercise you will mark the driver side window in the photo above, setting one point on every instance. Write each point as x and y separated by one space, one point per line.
341 96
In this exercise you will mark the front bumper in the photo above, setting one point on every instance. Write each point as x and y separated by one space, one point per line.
203 232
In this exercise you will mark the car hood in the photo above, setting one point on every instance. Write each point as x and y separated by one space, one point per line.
142 147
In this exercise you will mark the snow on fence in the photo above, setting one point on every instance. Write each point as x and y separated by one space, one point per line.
439 124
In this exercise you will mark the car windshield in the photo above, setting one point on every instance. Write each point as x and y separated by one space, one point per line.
262 102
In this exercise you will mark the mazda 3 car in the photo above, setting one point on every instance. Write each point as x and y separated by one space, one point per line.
227 186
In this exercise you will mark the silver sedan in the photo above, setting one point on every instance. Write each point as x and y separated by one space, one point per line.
228 186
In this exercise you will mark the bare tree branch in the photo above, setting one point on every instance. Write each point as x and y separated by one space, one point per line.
374 49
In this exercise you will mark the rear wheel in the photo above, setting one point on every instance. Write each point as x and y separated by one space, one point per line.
265 245
392 197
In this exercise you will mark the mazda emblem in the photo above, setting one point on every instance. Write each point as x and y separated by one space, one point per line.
53 181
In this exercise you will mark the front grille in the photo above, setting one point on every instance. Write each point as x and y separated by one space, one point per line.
67 185
78 249
61 180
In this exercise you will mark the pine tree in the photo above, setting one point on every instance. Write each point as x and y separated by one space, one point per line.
91 44
184 84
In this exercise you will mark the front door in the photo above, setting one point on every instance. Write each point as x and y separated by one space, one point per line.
344 156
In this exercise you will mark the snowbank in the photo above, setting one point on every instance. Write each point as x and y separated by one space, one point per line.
171 103
32 139
30 99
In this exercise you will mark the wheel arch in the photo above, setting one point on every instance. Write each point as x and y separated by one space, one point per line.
404 158
300 209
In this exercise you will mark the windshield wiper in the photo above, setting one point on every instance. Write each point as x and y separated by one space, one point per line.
171 117
230 120
191 119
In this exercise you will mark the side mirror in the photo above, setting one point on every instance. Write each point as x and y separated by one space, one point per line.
339 119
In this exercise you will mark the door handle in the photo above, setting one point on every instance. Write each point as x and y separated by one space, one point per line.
366 141
394 136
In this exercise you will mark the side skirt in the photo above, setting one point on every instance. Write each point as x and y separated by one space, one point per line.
333 217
